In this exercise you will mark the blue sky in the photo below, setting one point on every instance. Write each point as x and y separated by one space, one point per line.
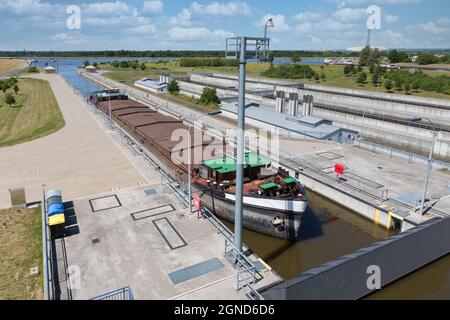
204 25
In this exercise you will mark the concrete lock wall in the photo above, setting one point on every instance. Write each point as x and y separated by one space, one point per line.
438 115
347 278
379 216
412 138
389 96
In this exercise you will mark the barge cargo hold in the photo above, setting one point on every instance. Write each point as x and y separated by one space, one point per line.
274 202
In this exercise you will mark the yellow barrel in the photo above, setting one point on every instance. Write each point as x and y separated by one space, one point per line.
56 220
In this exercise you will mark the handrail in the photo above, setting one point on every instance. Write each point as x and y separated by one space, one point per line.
124 293
48 287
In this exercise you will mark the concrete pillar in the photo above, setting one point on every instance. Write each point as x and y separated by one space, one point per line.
293 104
311 105
279 95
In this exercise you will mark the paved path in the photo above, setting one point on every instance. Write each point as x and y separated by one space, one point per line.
80 159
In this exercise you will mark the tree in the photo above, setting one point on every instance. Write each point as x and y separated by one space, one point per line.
10 100
369 56
416 85
271 57
143 66
16 89
388 85
124 64
398 85
362 78
427 58
134 65
209 95
407 88
376 79
317 77
86 63
296 58
347 70
173 86
323 77
360 69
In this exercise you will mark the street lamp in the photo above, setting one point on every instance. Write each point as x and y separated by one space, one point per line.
269 24
189 155
430 161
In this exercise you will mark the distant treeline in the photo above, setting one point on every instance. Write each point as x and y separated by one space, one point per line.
217 62
165 54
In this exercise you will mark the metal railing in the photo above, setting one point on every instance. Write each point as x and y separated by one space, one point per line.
49 290
247 273
124 293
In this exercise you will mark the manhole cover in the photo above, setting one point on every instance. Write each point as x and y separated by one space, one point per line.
95 241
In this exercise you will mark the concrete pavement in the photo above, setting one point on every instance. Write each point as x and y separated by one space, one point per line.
80 159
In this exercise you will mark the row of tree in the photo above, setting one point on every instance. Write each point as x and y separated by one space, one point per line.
216 62
129 64
7 84
209 95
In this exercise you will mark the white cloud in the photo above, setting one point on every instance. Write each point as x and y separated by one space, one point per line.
442 26
309 16
391 18
349 14
279 22
153 7
183 18
189 34
21 7
107 8
222 9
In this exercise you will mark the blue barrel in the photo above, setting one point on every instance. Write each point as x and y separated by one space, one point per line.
53 200
51 193
56 208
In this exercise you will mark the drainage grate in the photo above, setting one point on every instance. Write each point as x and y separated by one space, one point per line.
195 271
150 192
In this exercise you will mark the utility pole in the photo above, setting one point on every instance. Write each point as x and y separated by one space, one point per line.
269 24
239 210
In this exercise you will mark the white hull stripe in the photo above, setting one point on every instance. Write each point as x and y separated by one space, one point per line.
273 204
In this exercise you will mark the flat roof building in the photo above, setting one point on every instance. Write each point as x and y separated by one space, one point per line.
49 69
306 126
152 85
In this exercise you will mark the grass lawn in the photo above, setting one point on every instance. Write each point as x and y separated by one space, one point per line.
20 249
334 76
11 64
36 113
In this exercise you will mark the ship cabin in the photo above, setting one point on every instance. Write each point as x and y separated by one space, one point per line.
259 177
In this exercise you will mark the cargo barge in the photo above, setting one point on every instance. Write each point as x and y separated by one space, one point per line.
274 202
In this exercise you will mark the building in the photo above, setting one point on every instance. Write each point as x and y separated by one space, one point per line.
308 127
153 85
49 69
91 69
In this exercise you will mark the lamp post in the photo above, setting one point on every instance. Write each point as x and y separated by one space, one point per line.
269 24
429 164
189 154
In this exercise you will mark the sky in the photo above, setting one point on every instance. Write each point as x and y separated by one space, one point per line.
204 25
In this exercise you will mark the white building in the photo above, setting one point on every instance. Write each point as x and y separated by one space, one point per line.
153 85
91 69
49 69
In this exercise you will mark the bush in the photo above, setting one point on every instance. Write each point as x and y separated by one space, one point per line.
10 100
217 62
289 71
209 95
427 58
362 78
33 69
173 87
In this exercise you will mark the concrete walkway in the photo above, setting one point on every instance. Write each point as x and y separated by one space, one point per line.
80 159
